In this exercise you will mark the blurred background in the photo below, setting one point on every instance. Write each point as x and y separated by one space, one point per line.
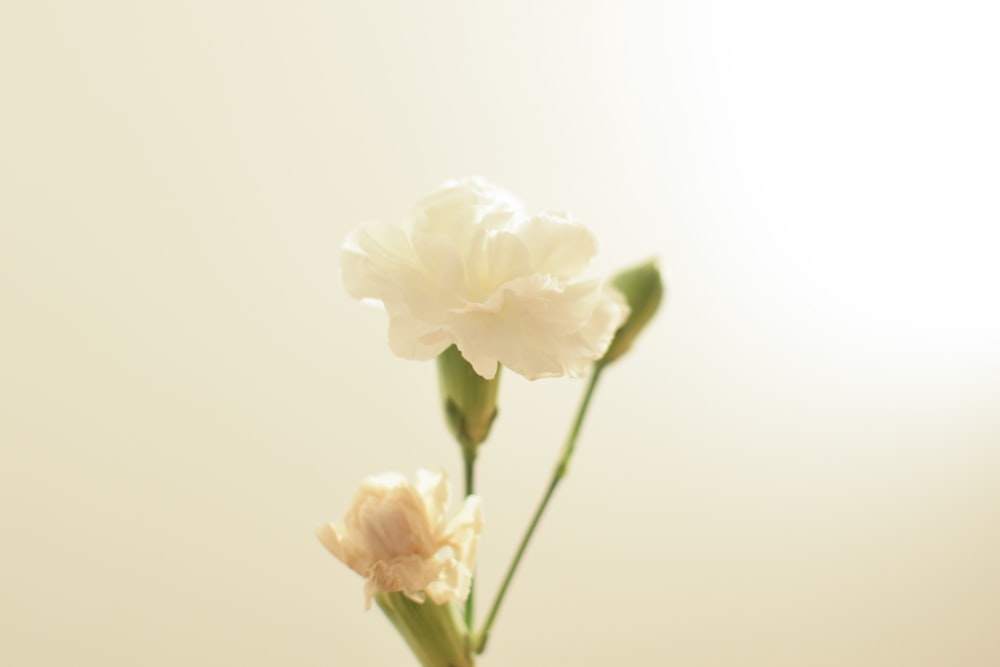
799 463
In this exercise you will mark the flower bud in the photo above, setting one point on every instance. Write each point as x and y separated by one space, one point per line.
417 562
642 287
469 400
398 537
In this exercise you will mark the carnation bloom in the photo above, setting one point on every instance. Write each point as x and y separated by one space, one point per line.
472 269
397 536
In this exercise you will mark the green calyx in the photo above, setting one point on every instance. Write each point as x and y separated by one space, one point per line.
469 400
434 632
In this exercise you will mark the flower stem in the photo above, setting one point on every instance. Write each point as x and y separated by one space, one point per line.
560 470
469 458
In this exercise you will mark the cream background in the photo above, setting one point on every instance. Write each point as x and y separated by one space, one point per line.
798 465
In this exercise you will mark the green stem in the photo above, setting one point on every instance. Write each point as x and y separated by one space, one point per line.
469 458
561 468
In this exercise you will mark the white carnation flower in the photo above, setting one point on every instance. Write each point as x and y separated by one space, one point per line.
473 270
397 536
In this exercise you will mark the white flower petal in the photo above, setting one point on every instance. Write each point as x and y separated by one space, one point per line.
464 529
376 256
535 326
481 357
559 246
434 489
611 312
389 522
504 258
458 206
332 540
412 338
409 574
453 583
441 262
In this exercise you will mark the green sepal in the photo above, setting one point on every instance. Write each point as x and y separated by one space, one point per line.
469 400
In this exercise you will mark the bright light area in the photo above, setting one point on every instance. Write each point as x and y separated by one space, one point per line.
858 145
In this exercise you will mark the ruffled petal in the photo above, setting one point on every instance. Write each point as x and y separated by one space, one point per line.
441 262
408 574
376 256
458 206
332 540
483 359
559 245
390 523
436 492
464 530
532 327
505 258
596 335
453 582
412 338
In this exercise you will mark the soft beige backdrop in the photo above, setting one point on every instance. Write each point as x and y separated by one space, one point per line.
798 466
